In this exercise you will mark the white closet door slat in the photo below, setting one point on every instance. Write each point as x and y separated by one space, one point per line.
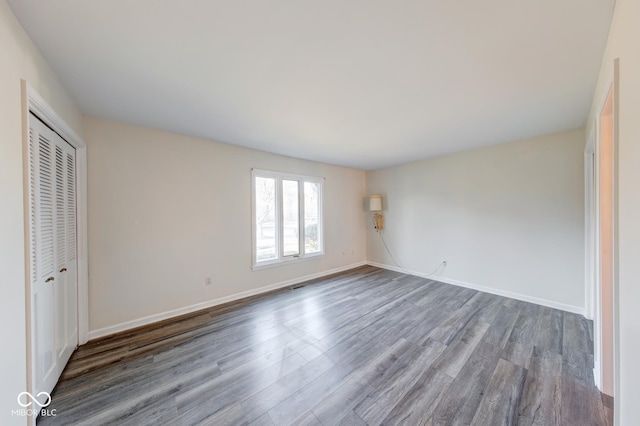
61 219
46 207
71 206
32 206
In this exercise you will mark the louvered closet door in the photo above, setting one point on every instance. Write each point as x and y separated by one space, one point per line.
66 332
53 252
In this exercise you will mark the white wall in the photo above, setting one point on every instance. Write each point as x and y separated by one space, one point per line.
121 206
623 44
166 211
508 217
20 60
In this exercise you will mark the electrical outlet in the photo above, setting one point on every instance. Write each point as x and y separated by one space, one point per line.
207 281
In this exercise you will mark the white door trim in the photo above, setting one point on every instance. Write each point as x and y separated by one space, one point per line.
593 278
590 229
33 102
593 306
616 239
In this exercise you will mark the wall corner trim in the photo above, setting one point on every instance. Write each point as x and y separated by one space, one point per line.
522 297
150 319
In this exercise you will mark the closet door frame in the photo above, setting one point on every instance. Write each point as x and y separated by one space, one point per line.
33 102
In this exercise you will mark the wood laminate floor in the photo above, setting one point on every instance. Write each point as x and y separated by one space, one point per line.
364 347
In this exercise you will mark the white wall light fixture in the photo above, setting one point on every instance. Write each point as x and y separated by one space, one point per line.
375 206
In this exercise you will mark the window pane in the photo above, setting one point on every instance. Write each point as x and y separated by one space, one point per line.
311 208
265 219
290 219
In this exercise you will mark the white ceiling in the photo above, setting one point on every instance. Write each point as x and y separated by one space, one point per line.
361 83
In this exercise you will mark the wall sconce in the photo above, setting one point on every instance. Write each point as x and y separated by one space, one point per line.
375 206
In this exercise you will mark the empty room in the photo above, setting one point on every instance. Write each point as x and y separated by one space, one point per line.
320 212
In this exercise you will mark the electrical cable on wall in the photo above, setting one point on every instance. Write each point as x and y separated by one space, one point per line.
386 247
376 207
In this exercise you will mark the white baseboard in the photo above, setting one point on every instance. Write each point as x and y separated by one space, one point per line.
128 325
597 376
117 328
523 297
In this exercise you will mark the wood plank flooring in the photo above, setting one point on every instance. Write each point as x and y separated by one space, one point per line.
364 347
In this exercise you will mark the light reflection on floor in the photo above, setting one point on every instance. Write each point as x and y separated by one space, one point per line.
304 319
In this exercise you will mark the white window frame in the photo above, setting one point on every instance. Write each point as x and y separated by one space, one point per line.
281 258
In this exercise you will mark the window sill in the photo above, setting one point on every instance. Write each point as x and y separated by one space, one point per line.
273 264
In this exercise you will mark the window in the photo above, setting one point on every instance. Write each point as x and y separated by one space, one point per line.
287 218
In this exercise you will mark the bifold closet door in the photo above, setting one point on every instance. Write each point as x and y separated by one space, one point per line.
52 225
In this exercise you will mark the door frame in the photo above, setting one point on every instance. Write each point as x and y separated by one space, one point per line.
591 221
593 283
593 303
33 102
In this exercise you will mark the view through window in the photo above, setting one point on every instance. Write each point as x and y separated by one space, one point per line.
287 217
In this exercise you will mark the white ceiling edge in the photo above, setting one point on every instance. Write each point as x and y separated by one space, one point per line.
359 84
